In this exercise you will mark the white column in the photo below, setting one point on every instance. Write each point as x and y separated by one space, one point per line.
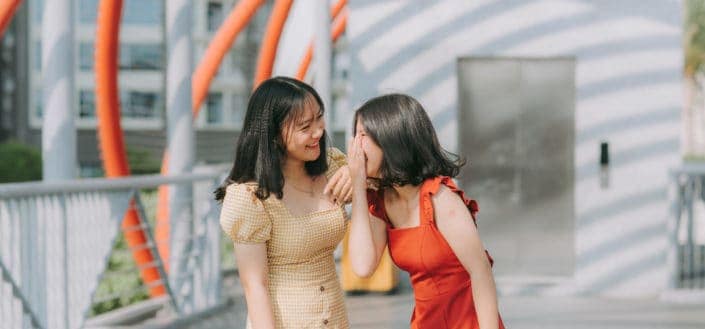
180 140
322 57
58 148
58 129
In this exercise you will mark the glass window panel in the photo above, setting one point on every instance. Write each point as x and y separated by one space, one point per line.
214 108
140 104
85 56
215 15
86 104
141 57
143 12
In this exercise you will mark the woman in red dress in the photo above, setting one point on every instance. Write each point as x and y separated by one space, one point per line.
419 213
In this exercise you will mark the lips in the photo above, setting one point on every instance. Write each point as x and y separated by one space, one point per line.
314 145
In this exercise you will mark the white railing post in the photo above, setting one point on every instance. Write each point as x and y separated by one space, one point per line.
180 139
207 276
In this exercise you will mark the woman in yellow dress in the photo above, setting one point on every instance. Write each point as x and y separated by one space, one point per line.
284 227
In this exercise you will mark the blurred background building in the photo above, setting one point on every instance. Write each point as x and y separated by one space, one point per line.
142 65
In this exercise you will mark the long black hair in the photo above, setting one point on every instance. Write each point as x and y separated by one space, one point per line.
411 151
260 149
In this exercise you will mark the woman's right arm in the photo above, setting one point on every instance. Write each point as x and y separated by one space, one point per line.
252 268
368 236
244 219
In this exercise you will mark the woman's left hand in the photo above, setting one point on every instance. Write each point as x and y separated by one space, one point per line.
357 162
339 187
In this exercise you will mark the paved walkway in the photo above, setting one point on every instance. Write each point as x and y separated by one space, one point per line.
377 311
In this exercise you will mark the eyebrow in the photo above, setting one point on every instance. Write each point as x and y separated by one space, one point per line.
307 121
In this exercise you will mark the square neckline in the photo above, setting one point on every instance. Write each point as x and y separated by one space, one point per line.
309 214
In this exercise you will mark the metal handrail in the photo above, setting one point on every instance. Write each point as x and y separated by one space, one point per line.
102 184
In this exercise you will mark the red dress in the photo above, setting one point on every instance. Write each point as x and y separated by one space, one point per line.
442 287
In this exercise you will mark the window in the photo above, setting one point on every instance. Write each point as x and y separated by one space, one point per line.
85 56
132 57
38 111
133 104
239 107
140 104
88 11
37 55
37 8
214 108
215 15
143 12
135 12
141 57
86 104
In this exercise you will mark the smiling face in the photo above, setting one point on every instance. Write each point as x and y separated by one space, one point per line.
373 153
302 136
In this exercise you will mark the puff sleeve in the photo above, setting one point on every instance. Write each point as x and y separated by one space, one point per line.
336 159
243 217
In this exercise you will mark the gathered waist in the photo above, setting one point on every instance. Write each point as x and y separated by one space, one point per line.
304 273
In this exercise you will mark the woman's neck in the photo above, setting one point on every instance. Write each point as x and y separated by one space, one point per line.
295 170
407 192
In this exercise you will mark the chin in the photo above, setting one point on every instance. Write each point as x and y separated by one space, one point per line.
312 156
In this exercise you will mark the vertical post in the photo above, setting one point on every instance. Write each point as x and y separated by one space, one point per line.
322 57
675 198
180 140
58 145
207 282
58 130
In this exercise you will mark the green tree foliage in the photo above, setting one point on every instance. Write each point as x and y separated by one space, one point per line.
19 163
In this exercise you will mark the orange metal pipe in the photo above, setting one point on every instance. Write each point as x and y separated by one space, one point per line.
338 28
7 11
162 227
305 63
110 136
218 47
337 8
270 42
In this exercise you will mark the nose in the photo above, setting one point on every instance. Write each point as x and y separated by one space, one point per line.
318 132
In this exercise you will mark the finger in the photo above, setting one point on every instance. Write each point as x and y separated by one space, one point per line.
338 188
348 195
333 182
347 192
357 145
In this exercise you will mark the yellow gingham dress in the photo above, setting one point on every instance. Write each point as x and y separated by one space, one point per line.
303 283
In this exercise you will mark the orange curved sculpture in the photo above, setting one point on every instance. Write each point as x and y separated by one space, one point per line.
338 28
337 8
270 42
305 63
110 136
7 11
161 226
